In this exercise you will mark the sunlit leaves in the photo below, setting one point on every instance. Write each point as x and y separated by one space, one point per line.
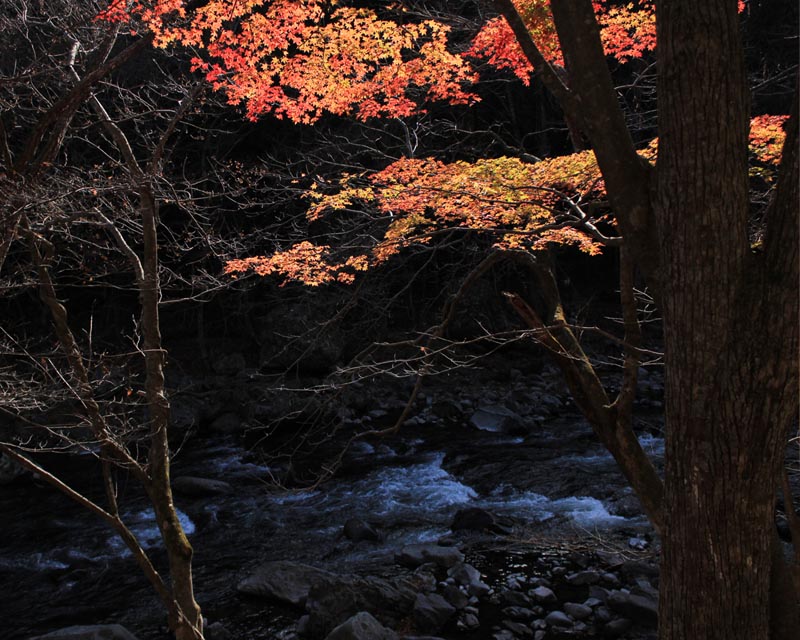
300 59
767 137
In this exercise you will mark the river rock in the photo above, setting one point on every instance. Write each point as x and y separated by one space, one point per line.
558 619
543 595
283 580
616 628
455 596
356 529
90 632
431 612
334 599
518 629
577 611
413 555
361 626
582 578
498 419
198 487
636 607
470 577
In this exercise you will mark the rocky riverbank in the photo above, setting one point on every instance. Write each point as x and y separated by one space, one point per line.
492 513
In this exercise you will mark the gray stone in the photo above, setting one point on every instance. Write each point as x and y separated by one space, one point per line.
539 635
515 598
283 580
431 612
334 599
518 613
413 555
90 632
470 621
361 626
558 619
470 577
498 419
455 596
616 628
636 607
198 487
543 594
583 578
518 629
577 611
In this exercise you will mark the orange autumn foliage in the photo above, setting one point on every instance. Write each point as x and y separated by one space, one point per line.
522 205
299 59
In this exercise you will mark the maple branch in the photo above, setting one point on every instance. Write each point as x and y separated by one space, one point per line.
627 175
551 78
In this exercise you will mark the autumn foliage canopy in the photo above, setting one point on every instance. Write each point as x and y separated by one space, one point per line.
301 59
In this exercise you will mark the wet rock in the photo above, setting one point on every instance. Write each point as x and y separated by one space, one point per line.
431 612
577 611
640 544
498 419
516 598
468 622
519 613
356 529
90 632
470 577
610 579
413 555
334 599
361 626
616 628
638 608
543 595
518 629
283 580
448 410
582 578
632 568
558 619
199 487
455 596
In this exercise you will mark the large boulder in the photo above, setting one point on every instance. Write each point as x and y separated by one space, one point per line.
283 580
361 626
334 599
431 612
90 632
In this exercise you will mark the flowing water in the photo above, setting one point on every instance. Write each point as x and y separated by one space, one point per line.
59 565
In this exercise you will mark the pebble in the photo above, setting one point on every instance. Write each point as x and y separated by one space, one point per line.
558 619
577 611
543 594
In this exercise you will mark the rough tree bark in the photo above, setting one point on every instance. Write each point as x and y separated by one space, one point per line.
730 314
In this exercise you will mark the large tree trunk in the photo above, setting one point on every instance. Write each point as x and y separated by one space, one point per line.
730 330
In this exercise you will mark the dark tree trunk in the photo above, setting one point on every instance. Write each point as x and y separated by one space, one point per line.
730 331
